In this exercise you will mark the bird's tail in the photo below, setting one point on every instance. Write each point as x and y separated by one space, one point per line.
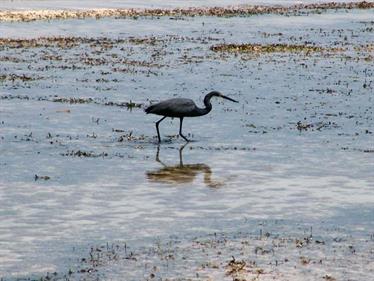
149 109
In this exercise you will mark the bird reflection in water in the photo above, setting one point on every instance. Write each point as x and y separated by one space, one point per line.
182 173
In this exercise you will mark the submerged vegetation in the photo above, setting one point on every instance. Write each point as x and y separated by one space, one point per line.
62 42
73 100
270 48
244 256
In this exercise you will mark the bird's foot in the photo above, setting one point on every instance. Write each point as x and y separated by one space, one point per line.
186 139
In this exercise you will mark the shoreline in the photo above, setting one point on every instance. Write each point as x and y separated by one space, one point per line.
230 11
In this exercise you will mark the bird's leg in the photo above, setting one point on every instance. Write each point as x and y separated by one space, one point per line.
158 132
180 130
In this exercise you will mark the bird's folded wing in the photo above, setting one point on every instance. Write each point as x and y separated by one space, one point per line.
177 107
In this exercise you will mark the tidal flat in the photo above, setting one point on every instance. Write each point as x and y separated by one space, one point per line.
277 187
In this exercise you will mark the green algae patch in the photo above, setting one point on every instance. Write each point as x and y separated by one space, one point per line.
271 48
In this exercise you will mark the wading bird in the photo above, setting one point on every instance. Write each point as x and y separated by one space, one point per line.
180 108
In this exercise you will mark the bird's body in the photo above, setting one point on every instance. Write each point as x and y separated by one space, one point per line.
180 108
177 107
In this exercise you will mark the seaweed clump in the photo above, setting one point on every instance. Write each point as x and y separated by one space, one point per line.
270 48
80 153
59 41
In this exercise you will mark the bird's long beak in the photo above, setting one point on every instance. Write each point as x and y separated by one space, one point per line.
222 96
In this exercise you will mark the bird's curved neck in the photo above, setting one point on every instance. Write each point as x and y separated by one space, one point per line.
208 105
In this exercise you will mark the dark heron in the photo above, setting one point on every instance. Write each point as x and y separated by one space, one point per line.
180 107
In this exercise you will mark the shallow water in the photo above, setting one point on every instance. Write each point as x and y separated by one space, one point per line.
247 162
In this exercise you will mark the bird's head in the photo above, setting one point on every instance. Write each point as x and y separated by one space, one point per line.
218 94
